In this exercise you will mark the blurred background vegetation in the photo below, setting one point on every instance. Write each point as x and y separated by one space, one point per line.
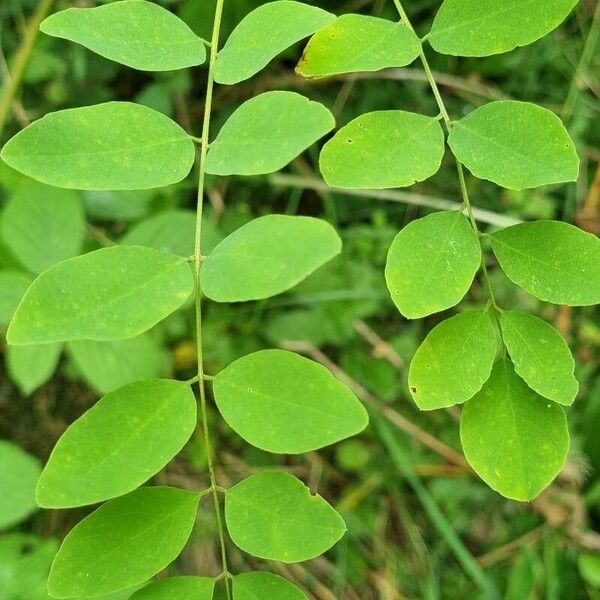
420 524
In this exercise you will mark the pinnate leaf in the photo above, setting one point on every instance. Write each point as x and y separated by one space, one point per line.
454 361
118 444
31 366
123 543
431 264
273 515
514 439
383 149
262 585
178 588
42 225
517 145
266 132
485 27
540 356
553 261
110 146
355 43
19 474
268 256
112 293
249 48
282 402
135 33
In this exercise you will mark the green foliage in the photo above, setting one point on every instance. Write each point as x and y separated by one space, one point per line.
110 146
261 394
515 144
484 27
383 149
261 585
124 542
454 361
144 425
249 48
19 473
273 515
265 133
96 305
31 366
516 441
439 255
553 261
13 285
540 356
178 588
268 256
135 33
354 43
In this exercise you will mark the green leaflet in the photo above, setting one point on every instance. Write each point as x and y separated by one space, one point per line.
273 515
124 542
540 356
383 149
172 231
13 285
265 395
249 48
29 367
517 145
514 439
43 225
553 261
19 473
178 588
118 444
354 43
266 132
135 33
268 256
262 585
112 293
454 361
485 27
431 264
107 366
110 146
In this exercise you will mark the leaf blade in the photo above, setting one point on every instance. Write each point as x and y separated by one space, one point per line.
262 585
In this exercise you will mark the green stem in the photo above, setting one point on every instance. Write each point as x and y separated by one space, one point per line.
214 44
21 59
461 175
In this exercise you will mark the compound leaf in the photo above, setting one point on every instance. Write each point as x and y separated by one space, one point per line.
514 439
485 27
248 49
540 356
107 366
262 585
265 395
134 33
118 444
517 145
268 256
274 516
110 146
431 264
19 473
383 149
31 366
42 225
553 261
266 132
124 542
354 43
13 285
112 293
454 361
178 588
